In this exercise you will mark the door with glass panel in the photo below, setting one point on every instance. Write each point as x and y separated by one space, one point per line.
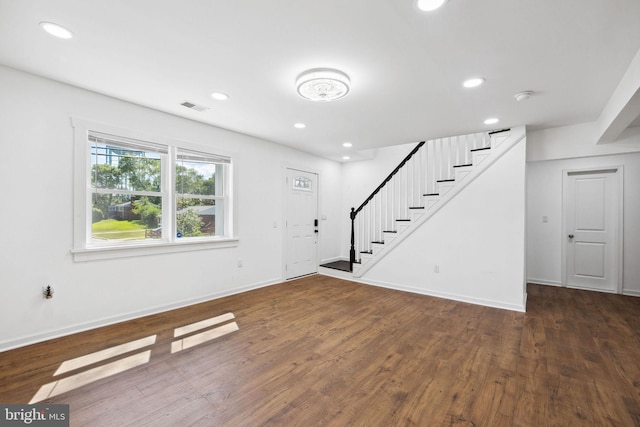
301 223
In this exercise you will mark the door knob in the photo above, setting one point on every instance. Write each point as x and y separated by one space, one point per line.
571 236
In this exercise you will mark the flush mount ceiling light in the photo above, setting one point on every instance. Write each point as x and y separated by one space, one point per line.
346 158
299 125
474 82
347 144
323 84
219 96
491 121
430 5
56 30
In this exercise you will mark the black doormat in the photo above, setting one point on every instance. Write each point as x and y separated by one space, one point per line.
338 265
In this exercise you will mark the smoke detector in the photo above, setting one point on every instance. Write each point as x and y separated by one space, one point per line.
523 96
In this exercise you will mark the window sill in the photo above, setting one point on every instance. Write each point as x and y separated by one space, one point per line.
113 252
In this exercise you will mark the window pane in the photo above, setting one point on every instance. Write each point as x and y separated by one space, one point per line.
302 183
125 217
115 167
197 217
196 177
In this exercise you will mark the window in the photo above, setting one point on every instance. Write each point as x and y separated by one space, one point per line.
199 194
302 183
141 195
127 196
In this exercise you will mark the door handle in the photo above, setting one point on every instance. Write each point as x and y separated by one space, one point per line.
571 236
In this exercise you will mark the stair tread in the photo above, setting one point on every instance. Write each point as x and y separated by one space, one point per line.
431 194
389 231
404 220
367 252
416 207
462 166
445 180
480 149
379 242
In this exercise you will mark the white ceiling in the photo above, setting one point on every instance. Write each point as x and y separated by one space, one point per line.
406 66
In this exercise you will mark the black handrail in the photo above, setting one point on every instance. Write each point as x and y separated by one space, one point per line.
354 211
391 175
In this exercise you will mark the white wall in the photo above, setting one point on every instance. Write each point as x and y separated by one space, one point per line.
549 152
579 140
544 187
477 240
36 142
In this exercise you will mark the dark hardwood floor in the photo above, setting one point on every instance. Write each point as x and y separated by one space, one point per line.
320 351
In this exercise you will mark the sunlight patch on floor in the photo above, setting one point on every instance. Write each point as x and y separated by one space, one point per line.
187 329
203 337
87 377
99 356
105 370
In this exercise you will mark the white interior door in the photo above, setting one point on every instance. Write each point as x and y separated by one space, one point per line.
301 223
592 208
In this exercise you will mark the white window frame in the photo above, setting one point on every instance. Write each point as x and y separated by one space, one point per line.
86 250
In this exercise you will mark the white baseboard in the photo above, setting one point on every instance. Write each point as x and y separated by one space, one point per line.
81 327
631 292
544 282
445 295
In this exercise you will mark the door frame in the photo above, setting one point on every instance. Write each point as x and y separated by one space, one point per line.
618 175
285 188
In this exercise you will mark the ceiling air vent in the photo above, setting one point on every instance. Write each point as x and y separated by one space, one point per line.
194 106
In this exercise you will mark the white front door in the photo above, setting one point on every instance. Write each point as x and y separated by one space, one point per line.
301 223
592 228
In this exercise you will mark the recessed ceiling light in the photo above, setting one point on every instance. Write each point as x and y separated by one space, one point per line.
299 126
346 158
491 121
219 96
429 5
323 85
474 82
56 30
347 144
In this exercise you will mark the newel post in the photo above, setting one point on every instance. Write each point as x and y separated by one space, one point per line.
352 252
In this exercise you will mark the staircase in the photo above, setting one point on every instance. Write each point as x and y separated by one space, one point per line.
431 175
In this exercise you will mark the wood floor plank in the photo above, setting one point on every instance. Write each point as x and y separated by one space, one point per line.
328 352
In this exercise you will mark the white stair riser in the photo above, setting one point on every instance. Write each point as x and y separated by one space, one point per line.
430 201
415 214
479 156
376 247
388 237
444 187
402 225
461 173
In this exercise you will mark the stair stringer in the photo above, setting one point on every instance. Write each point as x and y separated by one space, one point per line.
516 135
